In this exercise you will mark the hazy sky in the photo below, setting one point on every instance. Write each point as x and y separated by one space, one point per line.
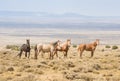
83 7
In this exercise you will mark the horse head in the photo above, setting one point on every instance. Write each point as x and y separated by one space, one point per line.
69 42
97 41
58 42
28 41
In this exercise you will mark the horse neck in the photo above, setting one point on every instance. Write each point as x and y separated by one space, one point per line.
63 44
66 43
55 44
28 43
95 43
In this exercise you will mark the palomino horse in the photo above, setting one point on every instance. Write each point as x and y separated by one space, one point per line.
64 47
88 47
50 48
25 48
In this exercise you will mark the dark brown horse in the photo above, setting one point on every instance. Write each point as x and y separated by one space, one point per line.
25 48
64 47
88 47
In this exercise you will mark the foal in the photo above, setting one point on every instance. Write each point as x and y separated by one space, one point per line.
88 47
25 48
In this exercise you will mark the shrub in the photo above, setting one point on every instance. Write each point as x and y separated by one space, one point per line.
107 46
10 69
102 50
114 47
12 47
74 46
32 47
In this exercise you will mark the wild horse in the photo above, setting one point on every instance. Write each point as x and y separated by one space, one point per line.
49 48
64 47
25 48
88 47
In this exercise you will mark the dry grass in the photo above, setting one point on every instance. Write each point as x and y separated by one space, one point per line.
104 66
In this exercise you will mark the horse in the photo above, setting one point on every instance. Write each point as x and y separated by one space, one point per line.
88 47
25 48
50 48
64 47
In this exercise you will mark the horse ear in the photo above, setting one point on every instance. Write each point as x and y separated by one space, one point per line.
28 40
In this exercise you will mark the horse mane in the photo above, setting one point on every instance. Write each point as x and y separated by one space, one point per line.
55 43
28 42
68 40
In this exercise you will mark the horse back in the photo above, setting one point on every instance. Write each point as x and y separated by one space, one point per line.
44 47
81 47
90 47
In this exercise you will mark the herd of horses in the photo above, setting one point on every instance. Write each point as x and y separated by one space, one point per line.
53 48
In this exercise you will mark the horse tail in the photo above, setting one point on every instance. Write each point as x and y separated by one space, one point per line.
35 49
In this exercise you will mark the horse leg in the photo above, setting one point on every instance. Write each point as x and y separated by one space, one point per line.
66 54
81 53
42 54
28 54
40 51
20 54
25 54
50 55
92 52
55 53
36 54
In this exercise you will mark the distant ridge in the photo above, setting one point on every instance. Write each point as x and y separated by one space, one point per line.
45 14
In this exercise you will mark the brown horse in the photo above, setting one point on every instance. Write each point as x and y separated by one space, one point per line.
64 47
88 47
50 48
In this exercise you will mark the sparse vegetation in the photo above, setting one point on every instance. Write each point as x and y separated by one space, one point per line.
32 47
74 46
114 47
107 46
73 68
10 69
102 50
12 47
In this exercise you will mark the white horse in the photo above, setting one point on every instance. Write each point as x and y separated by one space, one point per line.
49 48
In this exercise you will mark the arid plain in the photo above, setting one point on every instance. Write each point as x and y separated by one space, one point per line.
103 66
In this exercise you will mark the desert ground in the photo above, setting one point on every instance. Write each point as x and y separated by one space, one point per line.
103 66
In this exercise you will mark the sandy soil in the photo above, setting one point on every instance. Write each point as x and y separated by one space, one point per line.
104 66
